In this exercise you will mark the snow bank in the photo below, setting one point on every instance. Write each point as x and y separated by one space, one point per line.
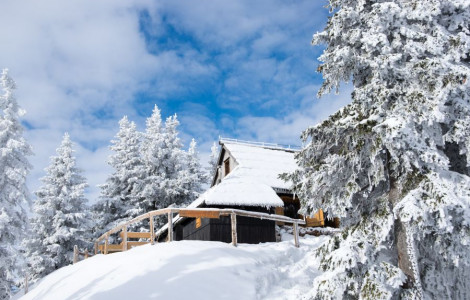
189 270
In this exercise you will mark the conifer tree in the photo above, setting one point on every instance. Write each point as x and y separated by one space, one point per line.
174 162
61 217
212 169
14 195
394 164
192 176
170 172
120 194
153 154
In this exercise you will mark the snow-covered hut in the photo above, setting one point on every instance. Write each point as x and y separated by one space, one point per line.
247 177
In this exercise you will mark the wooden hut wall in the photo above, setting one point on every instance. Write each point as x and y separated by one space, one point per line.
249 230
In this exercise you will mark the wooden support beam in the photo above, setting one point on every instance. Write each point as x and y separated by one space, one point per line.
233 217
86 253
106 243
296 234
75 254
135 235
124 238
96 248
114 248
170 226
152 231
193 213
135 244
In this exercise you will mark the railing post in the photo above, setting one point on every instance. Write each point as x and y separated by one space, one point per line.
233 218
106 242
170 226
75 254
296 234
86 253
152 231
124 239
96 248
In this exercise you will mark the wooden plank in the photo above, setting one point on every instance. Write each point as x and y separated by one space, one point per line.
137 219
106 242
262 216
136 235
170 226
211 214
75 254
233 217
124 238
114 248
86 253
135 244
279 211
152 231
96 248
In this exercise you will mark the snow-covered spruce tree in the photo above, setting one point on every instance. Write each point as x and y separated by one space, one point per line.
14 195
168 175
177 182
192 175
152 155
61 217
394 164
212 169
119 199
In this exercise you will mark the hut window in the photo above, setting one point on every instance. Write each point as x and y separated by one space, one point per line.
227 166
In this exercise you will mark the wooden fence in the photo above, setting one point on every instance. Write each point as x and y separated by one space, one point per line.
76 254
102 243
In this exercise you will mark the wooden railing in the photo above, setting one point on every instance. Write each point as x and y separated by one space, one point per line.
76 254
106 248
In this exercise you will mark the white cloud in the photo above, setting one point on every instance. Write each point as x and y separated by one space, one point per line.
287 130
80 65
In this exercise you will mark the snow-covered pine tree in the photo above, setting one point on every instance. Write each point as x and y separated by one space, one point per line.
174 162
394 164
169 174
61 218
153 153
119 200
192 175
14 195
212 169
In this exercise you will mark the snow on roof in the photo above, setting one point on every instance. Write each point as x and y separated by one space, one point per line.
239 192
252 181
261 164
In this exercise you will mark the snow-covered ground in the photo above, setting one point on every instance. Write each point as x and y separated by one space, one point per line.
189 270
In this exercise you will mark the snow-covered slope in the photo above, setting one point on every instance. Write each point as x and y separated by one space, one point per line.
189 270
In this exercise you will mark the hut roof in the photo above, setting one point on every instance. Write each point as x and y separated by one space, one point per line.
255 179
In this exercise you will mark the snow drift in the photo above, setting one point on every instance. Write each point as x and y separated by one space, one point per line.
189 270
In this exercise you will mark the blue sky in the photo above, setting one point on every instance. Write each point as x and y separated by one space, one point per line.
241 69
